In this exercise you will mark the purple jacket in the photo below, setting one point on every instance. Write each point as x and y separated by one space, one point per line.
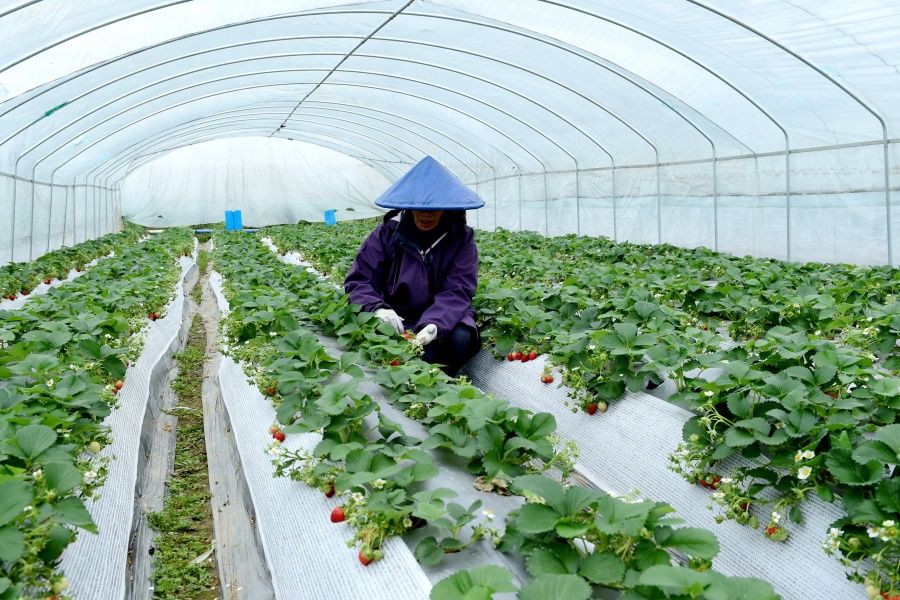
390 272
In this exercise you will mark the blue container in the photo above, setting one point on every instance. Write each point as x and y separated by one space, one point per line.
229 220
237 221
330 217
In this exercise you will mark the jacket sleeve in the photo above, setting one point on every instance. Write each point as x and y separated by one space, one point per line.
455 299
364 279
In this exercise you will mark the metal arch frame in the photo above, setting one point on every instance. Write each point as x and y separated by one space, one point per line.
18 8
20 60
501 133
182 133
215 80
472 22
870 109
207 133
543 165
723 79
309 106
65 207
787 152
257 108
200 136
109 169
364 115
368 127
53 174
588 57
137 152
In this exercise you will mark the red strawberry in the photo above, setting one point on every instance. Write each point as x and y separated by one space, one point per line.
532 355
279 436
745 506
25 291
408 335
331 490
546 378
270 390
337 515
119 384
365 560
591 408
511 356
115 390
395 362
153 316
48 280
772 530
524 357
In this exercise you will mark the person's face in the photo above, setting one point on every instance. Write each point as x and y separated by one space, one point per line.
427 220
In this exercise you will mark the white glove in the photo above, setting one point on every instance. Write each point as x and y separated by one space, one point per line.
426 335
391 318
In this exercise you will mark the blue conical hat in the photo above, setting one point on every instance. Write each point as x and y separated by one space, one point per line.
429 186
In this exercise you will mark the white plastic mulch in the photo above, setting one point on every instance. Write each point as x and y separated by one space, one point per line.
96 564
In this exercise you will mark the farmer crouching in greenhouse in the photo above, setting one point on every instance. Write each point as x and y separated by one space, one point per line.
418 270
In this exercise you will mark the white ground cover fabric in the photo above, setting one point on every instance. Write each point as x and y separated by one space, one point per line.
96 565
307 554
628 447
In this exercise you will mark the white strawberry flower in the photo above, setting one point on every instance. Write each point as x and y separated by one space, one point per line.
709 393
776 516
809 454
873 532
378 484
90 476
488 514
50 383
804 473
888 523
799 456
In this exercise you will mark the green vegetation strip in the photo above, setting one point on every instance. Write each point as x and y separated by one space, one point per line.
21 278
809 396
185 523
572 537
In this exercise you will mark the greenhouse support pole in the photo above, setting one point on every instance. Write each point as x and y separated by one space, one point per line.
31 220
495 197
520 199
871 110
546 205
50 219
787 198
615 215
577 203
658 202
715 203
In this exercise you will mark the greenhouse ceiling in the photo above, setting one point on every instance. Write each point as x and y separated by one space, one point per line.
791 103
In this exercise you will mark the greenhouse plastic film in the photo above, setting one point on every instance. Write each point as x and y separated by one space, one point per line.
96 564
300 543
628 447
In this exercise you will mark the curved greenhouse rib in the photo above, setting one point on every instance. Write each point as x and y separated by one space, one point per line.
72 36
723 79
865 105
443 17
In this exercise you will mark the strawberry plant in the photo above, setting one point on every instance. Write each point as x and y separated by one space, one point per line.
61 357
